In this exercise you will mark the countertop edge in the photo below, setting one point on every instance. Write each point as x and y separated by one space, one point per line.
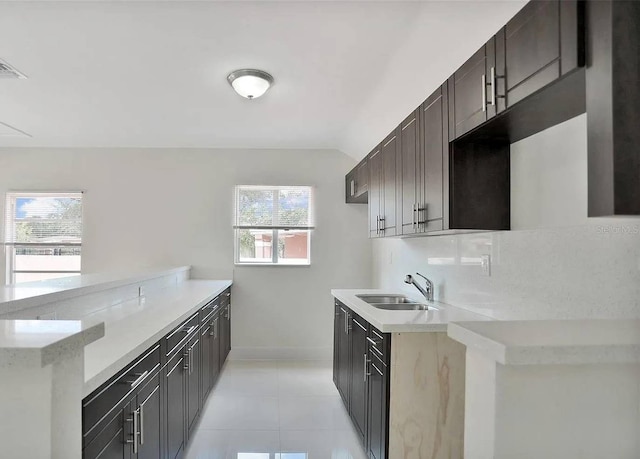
20 304
512 354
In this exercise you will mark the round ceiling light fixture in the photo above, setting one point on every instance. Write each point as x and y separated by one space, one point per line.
250 83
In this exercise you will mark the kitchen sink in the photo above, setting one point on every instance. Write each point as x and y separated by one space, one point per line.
401 307
386 299
393 302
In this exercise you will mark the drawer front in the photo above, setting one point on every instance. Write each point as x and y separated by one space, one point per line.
225 297
179 335
110 441
117 391
380 344
209 308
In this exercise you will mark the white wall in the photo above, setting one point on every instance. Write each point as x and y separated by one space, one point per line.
159 207
562 265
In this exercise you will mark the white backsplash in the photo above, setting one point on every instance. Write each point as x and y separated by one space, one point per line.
589 271
563 266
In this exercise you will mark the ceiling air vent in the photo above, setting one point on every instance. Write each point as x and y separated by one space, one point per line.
6 71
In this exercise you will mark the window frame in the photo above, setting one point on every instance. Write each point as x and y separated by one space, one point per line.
11 247
276 231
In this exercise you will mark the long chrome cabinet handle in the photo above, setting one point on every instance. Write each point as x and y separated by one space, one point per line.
377 369
191 356
492 77
140 377
366 367
484 92
359 324
375 343
141 411
187 360
134 440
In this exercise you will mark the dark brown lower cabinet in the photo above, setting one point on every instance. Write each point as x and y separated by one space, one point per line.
358 375
110 442
364 364
225 332
193 382
150 409
378 399
344 355
176 409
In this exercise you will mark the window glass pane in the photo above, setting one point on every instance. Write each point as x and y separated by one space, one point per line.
45 220
255 246
293 247
255 207
293 206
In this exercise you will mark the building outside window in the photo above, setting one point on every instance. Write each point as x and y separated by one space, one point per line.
273 225
42 235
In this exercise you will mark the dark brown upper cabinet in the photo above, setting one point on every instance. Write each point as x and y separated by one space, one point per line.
384 163
357 184
613 107
541 43
473 95
433 207
376 195
389 150
410 191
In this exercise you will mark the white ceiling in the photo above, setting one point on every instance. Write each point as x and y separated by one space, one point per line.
152 74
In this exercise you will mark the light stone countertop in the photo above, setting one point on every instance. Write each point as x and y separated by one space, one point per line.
552 342
133 326
39 343
435 319
25 295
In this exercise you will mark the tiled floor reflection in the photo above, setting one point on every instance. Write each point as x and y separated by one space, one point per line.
275 410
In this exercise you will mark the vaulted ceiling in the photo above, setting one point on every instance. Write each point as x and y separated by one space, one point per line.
152 73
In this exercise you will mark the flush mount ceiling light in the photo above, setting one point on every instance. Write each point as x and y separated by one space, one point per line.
250 83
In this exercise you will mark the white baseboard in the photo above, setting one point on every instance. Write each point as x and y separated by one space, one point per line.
281 353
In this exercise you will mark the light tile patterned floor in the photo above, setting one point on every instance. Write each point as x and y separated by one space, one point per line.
275 410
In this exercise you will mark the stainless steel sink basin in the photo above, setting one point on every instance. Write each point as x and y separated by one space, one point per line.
386 299
401 307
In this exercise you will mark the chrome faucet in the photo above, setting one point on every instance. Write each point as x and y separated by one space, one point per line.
427 292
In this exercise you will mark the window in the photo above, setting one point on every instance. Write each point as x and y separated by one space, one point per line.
273 225
43 235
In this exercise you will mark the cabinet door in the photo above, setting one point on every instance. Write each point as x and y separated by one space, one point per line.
110 443
375 192
390 171
193 381
215 351
532 49
336 341
206 338
149 416
362 178
471 99
175 406
358 376
411 177
344 356
225 333
435 144
377 437
227 342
